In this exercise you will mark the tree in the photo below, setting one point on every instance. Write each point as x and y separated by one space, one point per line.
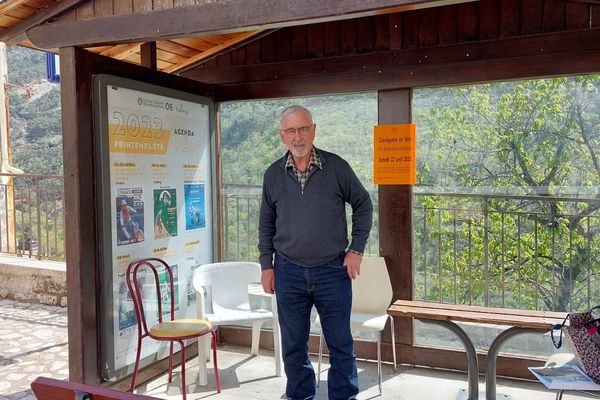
536 138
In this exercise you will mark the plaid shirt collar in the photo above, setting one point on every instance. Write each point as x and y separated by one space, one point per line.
314 160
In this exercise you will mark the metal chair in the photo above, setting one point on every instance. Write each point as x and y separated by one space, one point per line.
226 288
172 330
371 297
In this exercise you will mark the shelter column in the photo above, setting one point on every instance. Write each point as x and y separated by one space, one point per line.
395 216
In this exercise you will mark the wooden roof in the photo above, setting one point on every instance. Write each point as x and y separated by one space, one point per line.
16 16
185 32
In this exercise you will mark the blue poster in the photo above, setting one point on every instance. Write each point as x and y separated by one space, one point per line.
195 213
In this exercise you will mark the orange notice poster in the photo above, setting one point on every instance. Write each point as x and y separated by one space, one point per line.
394 155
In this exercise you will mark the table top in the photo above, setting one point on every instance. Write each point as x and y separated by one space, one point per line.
485 315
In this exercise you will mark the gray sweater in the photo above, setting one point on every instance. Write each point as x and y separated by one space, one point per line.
309 228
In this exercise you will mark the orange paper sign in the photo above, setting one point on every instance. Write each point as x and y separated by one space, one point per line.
394 156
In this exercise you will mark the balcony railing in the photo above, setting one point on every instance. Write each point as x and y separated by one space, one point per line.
31 216
532 252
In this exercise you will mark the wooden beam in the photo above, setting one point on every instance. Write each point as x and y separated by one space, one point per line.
80 221
487 70
148 55
13 34
395 215
212 51
211 18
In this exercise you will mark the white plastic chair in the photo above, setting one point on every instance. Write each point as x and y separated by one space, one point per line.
371 297
226 287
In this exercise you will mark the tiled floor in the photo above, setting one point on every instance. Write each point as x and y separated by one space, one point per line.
33 342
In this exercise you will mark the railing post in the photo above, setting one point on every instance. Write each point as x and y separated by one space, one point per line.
39 220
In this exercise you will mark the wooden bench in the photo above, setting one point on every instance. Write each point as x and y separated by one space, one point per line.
54 389
520 321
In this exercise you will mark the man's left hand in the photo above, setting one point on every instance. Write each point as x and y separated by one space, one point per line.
352 262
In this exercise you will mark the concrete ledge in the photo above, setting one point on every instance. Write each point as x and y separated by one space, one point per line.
32 281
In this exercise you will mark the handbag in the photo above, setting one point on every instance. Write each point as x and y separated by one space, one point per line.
583 334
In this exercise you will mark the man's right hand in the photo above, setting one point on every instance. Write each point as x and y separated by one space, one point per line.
267 279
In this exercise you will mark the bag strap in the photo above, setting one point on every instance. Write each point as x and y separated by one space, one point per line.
559 327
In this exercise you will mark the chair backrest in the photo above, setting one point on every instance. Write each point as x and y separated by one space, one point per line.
151 279
228 282
55 389
372 289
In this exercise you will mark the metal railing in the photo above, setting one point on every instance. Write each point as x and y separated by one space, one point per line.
31 216
491 250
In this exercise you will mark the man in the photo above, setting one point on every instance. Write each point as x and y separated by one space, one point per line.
303 224
125 221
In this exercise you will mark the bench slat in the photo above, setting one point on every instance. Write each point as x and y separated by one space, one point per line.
54 389
483 315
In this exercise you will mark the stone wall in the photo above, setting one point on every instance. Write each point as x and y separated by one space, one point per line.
32 281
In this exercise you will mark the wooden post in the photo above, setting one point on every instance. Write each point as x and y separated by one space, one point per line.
395 216
148 55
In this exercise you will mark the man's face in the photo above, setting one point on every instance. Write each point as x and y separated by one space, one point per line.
297 132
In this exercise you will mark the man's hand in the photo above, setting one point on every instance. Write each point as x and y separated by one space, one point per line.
267 279
352 262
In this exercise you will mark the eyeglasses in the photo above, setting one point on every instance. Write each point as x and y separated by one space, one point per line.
302 130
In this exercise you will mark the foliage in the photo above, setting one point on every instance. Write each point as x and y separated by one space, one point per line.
538 139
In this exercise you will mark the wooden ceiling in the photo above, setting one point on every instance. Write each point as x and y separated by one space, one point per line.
174 35
16 16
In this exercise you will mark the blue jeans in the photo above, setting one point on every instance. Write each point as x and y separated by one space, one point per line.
329 289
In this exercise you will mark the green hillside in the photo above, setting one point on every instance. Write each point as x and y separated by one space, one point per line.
34 114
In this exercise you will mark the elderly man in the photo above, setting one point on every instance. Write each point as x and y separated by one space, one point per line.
305 255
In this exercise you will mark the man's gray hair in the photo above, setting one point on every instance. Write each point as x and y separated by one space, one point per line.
293 109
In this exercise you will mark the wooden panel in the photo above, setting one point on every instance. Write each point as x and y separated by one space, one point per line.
86 10
395 29
365 35
253 52
283 40
596 16
299 42
467 22
459 54
103 8
577 15
448 21
554 15
531 16
268 49
331 39
176 48
348 37
142 5
410 30
123 7
169 57
162 4
509 18
238 56
488 19
224 60
382 32
428 27
314 40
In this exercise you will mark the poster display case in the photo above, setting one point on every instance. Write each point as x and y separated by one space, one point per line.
155 158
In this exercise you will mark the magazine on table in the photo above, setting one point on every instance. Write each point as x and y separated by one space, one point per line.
564 377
